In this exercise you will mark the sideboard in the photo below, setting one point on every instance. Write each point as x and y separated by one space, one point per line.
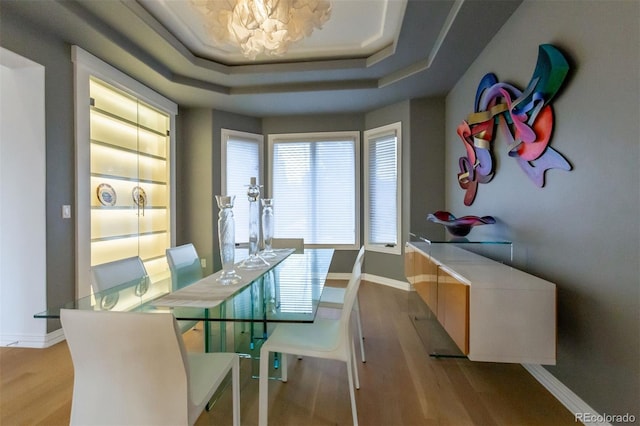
492 311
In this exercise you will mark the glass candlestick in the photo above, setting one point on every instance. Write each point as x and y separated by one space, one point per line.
227 237
253 261
267 227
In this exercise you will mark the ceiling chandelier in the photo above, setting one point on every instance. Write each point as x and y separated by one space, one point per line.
262 26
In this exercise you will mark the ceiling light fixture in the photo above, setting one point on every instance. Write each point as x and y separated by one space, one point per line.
262 26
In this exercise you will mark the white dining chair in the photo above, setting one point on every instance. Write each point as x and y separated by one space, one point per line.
324 338
131 368
123 271
294 243
184 264
107 276
111 274
333 297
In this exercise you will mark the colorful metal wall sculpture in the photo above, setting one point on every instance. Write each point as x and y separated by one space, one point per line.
526 118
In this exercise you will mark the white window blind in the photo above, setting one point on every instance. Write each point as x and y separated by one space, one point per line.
241 160
382 188
314 186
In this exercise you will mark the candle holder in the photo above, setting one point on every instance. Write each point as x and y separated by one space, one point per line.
253 261
267 227
226 238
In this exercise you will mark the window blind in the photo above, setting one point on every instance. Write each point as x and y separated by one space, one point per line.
242 163
314 190
382 189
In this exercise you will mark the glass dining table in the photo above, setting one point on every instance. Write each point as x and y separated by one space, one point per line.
235 316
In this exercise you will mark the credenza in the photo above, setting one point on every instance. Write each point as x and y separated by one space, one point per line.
492 311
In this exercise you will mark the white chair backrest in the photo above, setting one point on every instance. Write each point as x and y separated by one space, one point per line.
359 258
294 243
182 255
184 264
129 368
111 274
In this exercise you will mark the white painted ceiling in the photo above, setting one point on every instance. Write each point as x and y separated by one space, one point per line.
361 60
340 37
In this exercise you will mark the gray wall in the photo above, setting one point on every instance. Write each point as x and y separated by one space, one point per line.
194 182
19 37
382 264
582 230
426 192
199 151
422 174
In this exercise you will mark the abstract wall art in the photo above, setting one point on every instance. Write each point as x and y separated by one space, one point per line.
524 116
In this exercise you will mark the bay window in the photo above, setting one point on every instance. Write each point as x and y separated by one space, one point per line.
241 160
382 189
315 186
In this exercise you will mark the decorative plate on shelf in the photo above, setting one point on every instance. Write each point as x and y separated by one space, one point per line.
106 194
139 196
109 301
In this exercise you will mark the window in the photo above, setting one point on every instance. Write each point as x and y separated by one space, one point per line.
241 160
382 207
315 184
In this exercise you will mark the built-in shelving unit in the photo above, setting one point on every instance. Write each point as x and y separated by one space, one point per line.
124 170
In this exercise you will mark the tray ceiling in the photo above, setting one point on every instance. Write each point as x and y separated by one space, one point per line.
370 54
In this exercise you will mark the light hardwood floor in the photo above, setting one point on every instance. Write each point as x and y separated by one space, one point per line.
400 383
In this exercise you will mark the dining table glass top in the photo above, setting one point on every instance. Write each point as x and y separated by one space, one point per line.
288 290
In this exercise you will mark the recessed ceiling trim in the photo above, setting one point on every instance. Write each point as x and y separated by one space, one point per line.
209 84
391 49
425 64
201 84
229 70
300 65
406 72
125 33
306 87
451 17
380 25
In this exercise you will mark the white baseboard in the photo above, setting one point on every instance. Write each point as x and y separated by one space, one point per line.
339 276
32 341
562 393
570 400
389 282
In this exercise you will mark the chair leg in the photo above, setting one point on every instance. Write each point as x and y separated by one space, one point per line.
263 388
284 367
354 411
235 379
355 365
356 306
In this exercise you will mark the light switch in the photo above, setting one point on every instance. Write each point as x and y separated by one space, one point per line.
66 211
203 262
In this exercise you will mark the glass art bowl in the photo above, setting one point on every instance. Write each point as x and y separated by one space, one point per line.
459 227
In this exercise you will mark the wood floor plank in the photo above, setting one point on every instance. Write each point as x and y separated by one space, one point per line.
401 385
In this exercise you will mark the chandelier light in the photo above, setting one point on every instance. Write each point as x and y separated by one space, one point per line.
262 26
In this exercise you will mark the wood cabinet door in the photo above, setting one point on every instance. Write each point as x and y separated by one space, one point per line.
453 309
426 283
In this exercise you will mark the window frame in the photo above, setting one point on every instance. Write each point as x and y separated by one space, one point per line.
369 136
275 138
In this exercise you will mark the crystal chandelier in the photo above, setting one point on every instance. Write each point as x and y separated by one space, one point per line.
262 26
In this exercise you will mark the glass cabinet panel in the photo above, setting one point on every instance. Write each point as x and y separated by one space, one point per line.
125 195
130 173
